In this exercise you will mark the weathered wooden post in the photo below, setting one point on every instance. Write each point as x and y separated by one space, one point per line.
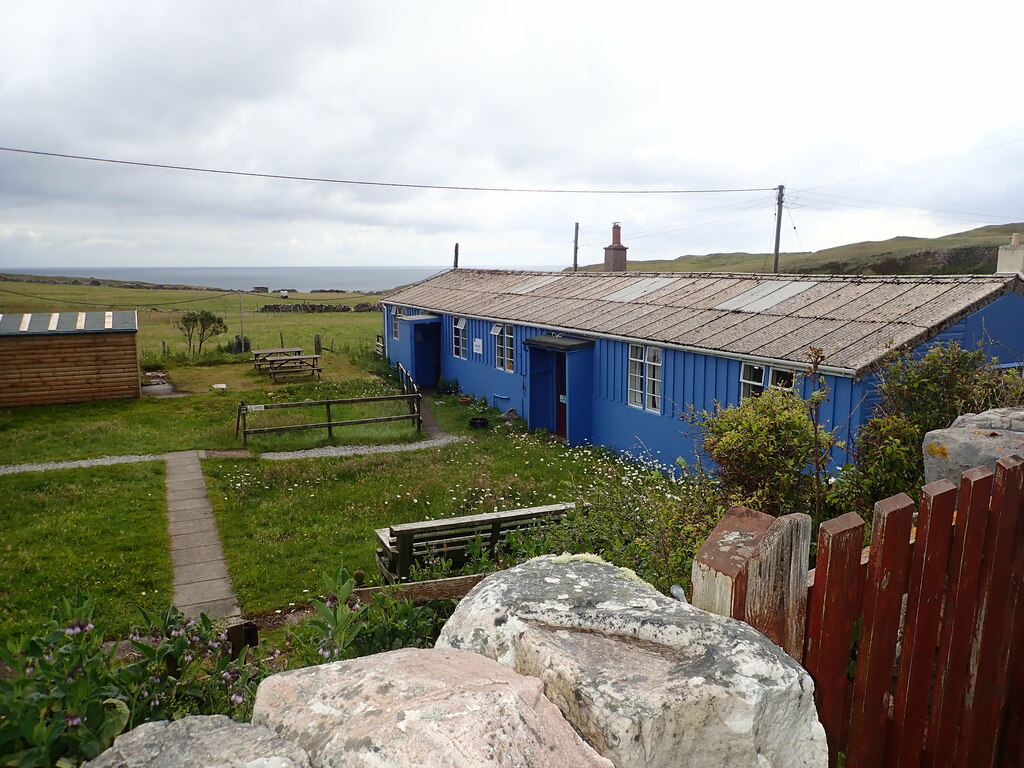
753 567
318 348
330 428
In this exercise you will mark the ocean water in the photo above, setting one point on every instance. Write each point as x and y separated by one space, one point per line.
303 279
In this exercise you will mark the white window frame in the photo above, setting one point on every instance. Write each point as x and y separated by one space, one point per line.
398 312
504 347
782 378
459 337
752 377
643 377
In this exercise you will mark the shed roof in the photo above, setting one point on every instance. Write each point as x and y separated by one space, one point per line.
42 323
855 319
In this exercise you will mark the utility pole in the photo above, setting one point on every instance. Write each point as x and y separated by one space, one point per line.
575 247
456 266
778 225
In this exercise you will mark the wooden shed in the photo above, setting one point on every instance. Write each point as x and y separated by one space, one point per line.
68 357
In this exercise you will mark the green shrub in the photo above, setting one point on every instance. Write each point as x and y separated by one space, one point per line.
767 449
917 395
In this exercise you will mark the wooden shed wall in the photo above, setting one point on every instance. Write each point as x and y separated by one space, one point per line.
40 369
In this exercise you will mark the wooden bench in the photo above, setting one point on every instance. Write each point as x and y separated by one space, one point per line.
401 546
259 356
293 364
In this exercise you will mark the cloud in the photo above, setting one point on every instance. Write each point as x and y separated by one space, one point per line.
890 101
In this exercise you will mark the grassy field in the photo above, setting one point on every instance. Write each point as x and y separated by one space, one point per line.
285 523
102 530
866 257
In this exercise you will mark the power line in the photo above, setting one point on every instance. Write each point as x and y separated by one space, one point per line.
916 165
250 174
821 197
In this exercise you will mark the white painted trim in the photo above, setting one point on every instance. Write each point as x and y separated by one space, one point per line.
54 317
25 320
80 324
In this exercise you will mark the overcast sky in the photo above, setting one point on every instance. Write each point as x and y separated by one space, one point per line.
881 118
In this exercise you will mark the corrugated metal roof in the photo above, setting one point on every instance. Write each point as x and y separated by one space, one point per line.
854 319
39 323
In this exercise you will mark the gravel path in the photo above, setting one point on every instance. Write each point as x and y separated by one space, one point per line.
102 461
352 450
334 450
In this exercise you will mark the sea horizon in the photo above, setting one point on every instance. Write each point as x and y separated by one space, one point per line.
300 279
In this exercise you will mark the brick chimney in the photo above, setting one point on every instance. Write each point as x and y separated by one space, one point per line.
1011 257
615 254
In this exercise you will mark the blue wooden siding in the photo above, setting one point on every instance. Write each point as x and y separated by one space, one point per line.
597 407
998 328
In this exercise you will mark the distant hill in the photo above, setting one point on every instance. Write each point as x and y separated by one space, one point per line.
963 253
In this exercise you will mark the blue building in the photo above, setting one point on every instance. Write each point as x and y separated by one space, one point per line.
616 358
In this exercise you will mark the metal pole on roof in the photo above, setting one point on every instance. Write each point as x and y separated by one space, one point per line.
456 263
576 247
778 226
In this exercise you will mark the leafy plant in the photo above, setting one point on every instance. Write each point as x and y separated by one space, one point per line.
390 622
329 636
62 704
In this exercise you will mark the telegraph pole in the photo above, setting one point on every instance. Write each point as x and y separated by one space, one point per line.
778 225
575 247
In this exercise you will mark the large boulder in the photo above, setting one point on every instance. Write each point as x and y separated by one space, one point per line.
647 680
212 741
420 707
973 440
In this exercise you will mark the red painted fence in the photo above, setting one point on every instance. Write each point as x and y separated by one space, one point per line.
916 645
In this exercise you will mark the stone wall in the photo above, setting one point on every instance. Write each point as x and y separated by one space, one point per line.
560 662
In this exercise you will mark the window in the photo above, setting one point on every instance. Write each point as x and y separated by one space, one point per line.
751 380
397 313
504 346
644 377
782 379
459 337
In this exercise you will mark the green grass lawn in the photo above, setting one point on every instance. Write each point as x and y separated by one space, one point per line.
285 523
102 530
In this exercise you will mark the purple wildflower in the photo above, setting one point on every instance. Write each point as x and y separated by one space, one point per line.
72 720
237 698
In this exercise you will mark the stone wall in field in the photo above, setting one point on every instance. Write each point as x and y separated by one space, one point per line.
364 306
558 662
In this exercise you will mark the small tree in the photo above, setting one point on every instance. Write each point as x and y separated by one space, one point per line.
199 326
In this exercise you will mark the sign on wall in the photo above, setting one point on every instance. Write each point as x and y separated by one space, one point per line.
478 346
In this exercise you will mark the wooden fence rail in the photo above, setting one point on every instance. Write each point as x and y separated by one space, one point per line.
930 617
413 400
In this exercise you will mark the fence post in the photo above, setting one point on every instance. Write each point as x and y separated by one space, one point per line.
245 432
753 567
776 575
330 429
238 416
720 562
318 347
418 405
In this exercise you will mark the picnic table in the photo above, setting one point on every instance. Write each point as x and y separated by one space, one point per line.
259 356
277 364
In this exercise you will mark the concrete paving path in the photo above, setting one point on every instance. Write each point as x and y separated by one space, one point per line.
201 582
